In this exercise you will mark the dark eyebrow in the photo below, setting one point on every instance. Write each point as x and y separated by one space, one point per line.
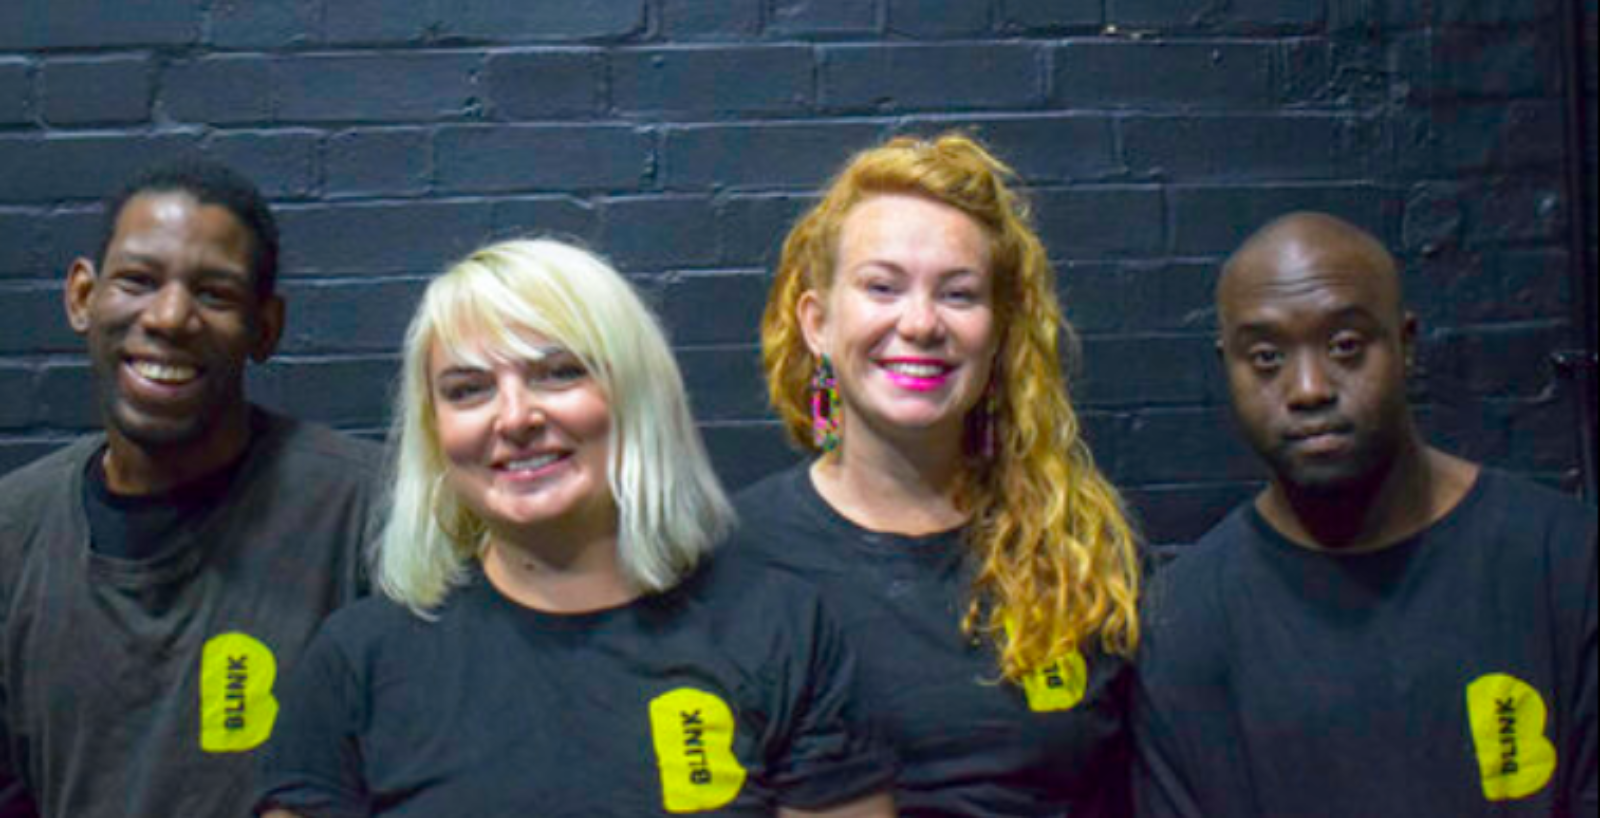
1348 314
209 271
1355 312
458 371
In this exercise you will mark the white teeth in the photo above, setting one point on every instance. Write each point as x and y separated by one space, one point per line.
915 370
532 463
164 373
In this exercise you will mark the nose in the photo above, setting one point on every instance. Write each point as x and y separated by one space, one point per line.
520 413
172 311
1309 384
920 321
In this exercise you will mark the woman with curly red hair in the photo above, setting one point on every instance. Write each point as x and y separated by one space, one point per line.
951 513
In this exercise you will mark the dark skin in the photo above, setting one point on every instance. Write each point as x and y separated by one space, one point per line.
1317 346
171 316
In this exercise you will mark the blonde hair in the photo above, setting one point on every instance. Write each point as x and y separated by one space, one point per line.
1056 556
671 508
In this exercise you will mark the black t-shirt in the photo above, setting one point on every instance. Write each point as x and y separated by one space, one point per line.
969 743
141 527
1433 678
143 687
731 693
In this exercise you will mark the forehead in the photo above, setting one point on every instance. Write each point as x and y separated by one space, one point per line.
173 222
1296 283
484 348
903 224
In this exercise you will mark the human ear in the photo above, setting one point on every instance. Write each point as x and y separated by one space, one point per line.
269 328
813 317
81 278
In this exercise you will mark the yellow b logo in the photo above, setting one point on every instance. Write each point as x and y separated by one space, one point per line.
237 709
1059 685
693 732
1508 717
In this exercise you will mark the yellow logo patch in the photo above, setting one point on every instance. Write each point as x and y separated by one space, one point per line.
237 709
693 733
1508 717
1059 685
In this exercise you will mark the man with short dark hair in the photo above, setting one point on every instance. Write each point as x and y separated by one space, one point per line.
158 578
1387 629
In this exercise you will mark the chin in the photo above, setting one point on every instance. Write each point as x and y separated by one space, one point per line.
1328 480
158 433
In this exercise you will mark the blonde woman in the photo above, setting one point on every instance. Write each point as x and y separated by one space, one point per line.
553 636
951 515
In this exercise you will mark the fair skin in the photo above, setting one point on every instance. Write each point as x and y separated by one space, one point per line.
527 446
1316 345
527 442
171 316
909 325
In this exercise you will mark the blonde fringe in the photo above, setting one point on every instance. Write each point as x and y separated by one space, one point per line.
1057 555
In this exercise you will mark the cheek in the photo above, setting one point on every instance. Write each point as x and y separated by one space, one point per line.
1254 403
978 329
460 437
586 416
857 323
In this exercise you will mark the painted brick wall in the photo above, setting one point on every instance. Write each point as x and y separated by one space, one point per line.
681 136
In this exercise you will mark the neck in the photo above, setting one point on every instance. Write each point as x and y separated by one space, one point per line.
558 574
133 469
907 488
1420 487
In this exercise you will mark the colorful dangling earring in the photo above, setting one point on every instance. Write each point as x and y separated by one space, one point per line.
981 423
991 420
824 406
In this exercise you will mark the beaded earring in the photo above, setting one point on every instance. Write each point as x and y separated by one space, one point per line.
824 406
981 423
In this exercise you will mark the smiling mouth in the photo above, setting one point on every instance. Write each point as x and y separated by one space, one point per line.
916 369
531 464
917 376
165 374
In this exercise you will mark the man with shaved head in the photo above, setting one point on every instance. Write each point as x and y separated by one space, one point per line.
1386 629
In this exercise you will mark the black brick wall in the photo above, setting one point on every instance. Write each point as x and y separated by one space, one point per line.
681 136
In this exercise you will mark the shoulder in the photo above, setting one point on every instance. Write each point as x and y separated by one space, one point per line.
300 442
29 495
1521 502
45 476
375 624
774 493
1518 527
783 522
1192 569
298 459
750 599
1513 524
728 579
1181 614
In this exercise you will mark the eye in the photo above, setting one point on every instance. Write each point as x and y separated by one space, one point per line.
135 281
878 284
1264 358
557 372
961 295
221 297
459 391
1347 346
